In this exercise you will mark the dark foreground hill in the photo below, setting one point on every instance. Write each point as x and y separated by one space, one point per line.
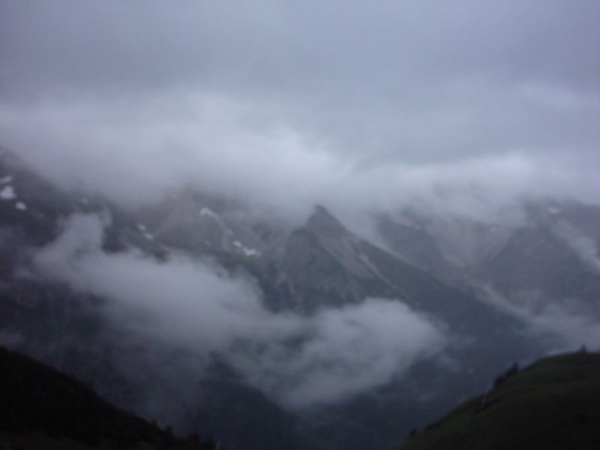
553 404
41 408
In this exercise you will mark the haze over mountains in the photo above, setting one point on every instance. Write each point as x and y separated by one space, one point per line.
182 309
298 225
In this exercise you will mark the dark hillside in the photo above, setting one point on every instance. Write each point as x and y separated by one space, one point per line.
42 408
553 404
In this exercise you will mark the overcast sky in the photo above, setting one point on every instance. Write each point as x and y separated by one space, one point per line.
338 102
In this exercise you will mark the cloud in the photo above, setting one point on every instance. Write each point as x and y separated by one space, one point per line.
349 350
183 303
135 157
582 244
269 46
293 105
567 329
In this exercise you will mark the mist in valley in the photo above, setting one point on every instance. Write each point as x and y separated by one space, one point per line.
312 207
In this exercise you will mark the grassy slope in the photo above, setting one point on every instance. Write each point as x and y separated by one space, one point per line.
42 408
553 404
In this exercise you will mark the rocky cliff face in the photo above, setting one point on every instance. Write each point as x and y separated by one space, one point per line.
549 257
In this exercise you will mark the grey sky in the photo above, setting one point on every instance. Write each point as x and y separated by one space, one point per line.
323 93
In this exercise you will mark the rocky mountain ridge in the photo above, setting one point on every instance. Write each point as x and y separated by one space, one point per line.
445 269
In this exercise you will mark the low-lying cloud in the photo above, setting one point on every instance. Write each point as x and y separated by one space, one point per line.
210 143
567 329
351 105
584 246
299 361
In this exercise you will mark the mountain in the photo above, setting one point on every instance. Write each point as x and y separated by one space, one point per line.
554 403
554 259
461 276
42 408
550 257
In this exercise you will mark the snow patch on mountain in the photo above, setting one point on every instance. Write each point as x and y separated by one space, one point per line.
207 212
8 193
245 250
144 230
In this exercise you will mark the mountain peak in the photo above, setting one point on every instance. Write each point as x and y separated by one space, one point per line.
323 222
